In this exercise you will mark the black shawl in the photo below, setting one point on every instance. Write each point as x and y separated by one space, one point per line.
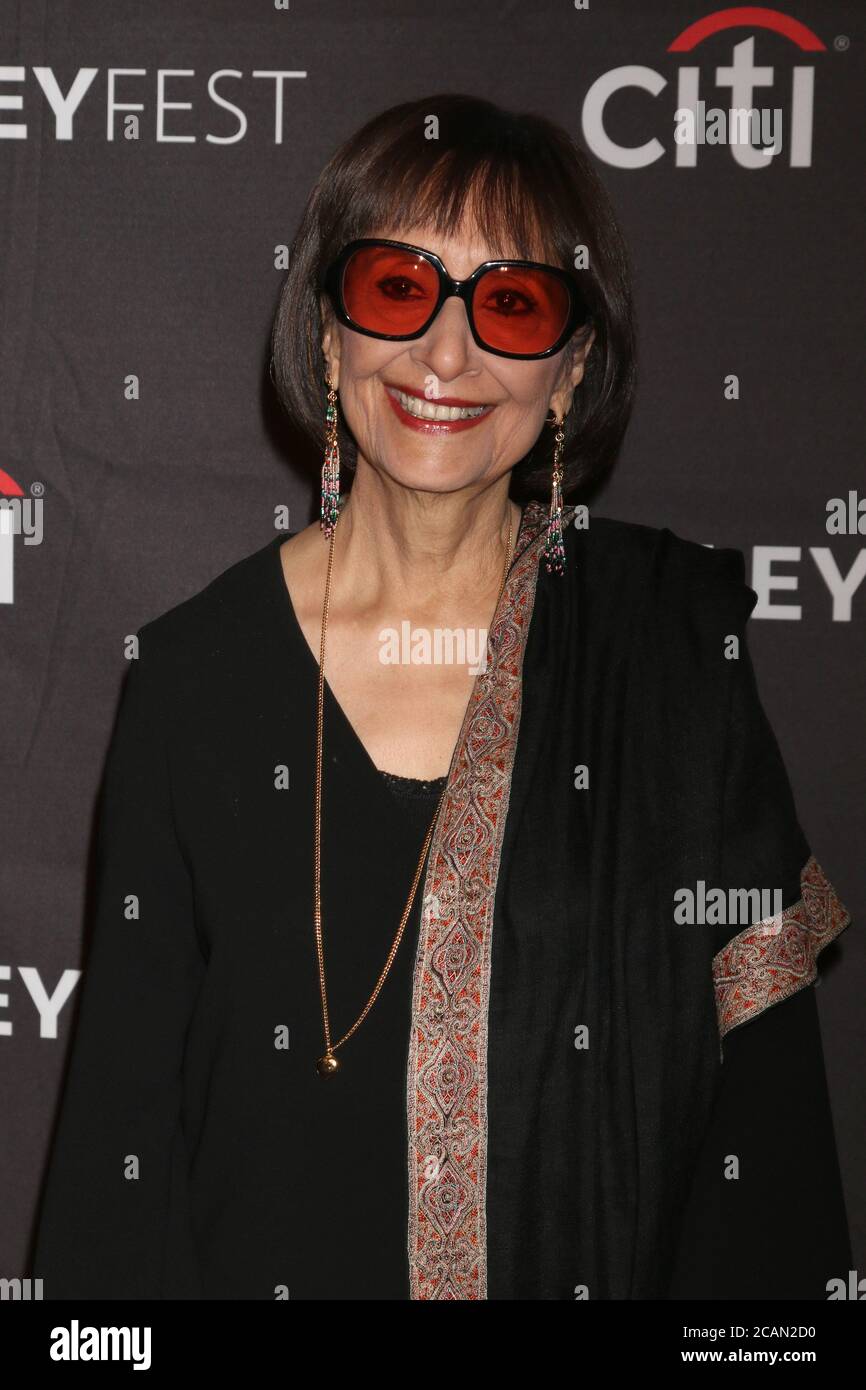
565 1059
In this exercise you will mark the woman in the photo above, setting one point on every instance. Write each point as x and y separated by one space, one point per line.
391 994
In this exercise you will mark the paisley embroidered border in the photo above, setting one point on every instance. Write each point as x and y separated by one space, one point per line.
772 959
447 1072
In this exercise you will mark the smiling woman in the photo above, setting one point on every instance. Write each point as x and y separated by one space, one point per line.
404 1009
486 174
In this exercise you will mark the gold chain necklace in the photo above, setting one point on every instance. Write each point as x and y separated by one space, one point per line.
328 1064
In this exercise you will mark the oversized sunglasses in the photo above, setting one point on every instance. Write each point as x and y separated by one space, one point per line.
388 289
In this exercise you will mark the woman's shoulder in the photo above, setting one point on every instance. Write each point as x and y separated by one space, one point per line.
654 549
226 614
648 566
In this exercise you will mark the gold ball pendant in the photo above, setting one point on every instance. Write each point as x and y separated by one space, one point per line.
327 1065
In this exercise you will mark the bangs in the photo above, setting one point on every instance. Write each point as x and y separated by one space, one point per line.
484 176
489 201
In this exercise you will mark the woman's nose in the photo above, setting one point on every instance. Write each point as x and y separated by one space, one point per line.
446 347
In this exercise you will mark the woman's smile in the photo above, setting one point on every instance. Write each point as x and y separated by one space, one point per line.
435 417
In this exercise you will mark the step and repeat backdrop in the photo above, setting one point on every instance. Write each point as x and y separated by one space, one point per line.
154 162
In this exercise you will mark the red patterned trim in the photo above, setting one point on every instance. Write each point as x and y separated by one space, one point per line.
771 960
447 1074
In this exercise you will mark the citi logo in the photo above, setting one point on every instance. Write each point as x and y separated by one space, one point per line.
740 76
19 516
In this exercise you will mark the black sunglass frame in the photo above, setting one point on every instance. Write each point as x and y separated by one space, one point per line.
332 283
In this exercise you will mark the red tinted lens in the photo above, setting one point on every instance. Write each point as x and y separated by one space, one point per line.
386 290
520 310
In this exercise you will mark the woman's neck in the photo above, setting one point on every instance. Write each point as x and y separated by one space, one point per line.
425 547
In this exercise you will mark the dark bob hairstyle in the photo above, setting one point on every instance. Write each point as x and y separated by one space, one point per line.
522 183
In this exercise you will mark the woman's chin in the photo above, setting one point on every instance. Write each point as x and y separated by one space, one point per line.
432 475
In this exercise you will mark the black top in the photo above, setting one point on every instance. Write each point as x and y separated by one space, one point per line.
414 792
198 1152
302 1180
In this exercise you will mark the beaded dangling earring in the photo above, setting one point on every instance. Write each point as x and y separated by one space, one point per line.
331 465
554 550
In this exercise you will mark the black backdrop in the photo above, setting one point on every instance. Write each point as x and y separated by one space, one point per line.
158 258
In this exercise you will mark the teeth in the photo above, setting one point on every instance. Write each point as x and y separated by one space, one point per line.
429 410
